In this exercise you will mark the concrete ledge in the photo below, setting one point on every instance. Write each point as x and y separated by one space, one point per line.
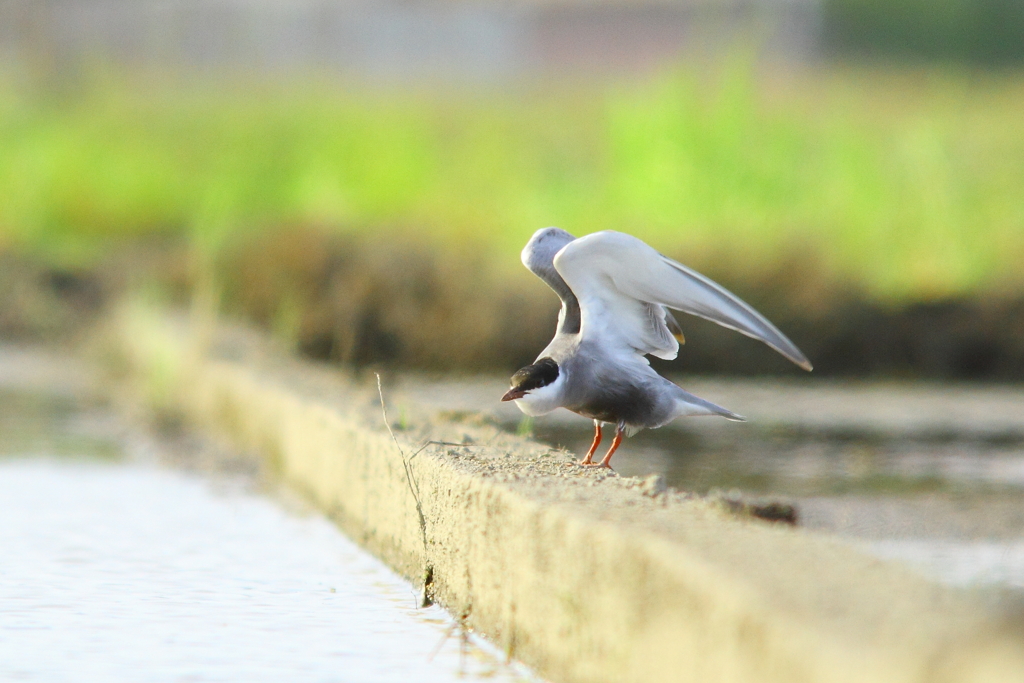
585 576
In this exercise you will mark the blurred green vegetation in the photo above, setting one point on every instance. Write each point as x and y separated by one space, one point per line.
875 214
903 185
987 32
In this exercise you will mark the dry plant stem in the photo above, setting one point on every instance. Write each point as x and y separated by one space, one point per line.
444 639
414 488
425 601
460 625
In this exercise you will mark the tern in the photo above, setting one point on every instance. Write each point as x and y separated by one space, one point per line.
616 293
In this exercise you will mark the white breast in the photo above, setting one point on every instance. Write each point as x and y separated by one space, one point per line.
545 399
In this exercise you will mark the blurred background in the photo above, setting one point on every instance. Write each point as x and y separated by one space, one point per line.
359 177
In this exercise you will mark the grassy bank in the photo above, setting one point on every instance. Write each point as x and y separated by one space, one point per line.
886 189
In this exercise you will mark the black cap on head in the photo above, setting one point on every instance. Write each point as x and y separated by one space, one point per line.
540 374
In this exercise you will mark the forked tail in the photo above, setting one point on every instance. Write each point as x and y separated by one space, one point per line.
689 405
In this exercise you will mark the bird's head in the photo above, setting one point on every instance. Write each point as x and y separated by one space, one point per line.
542 247
535 380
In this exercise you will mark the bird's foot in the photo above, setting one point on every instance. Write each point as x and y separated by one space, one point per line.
591 463
586 462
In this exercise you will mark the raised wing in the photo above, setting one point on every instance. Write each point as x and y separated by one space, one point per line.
538 256
622 283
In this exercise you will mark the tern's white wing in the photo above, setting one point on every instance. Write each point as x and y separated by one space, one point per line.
621 284
539 256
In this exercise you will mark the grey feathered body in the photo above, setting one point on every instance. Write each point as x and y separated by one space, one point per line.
618 390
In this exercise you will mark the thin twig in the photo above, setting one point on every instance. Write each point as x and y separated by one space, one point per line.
444 639
414 488
405 461
459 623
438 443
384 411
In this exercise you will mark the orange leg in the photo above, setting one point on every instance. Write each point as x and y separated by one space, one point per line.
619 431
588 460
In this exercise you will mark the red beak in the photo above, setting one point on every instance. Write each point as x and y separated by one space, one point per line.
513 394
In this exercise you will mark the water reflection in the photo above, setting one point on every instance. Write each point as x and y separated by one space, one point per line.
953 509
55 425
118 569
797 465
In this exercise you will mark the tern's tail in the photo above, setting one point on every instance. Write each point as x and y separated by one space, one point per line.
687 404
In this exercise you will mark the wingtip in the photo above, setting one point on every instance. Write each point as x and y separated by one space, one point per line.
795 356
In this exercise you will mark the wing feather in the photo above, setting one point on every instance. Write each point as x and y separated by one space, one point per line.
620 283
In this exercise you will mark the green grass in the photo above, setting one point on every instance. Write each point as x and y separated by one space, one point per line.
903 186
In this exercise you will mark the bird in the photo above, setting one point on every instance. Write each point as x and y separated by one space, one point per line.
616 292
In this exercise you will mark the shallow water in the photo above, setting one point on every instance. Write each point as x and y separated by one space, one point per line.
116 568
951 509
931 475
799 465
